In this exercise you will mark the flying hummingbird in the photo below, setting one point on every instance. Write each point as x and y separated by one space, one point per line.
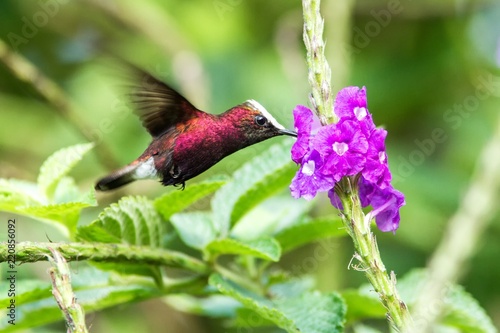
187 141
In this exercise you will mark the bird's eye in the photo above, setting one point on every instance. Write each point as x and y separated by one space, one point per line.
260 120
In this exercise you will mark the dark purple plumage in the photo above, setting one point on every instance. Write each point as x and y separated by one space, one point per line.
187 141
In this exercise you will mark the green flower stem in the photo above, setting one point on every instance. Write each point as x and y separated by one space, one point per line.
103 252
319 70
63 293
368 257
356 223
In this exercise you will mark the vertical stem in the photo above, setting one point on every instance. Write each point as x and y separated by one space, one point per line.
369 261
64 295
356 223
319 70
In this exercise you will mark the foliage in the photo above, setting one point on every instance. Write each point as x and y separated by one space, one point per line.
430 68
245 275
461 311
95 290
145 224
55 197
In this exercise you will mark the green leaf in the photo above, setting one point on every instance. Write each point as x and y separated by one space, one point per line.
315 312
15 193
195 228
249 318
55 199
97 232
292 287
311 312
270 216
258 179
460 309
64 215
94 290
67 191
21 197
363 303
266 248
464 313
58 165
26 291
176 201
134 221
260 305
309 231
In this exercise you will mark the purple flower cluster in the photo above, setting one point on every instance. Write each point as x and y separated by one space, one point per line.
350 147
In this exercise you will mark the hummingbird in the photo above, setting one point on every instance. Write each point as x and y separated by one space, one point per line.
185 140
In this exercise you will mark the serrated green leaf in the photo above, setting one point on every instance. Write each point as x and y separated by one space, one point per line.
15 193
176 201
134 221
308 231
260 305
311 312
31 199
96 232
195 229
64 215
266 248
94 290
24 198
58 165
315 312
258 179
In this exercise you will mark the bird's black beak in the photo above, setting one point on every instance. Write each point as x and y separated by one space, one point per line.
288 132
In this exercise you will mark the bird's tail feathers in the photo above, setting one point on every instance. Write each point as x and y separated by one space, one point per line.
118 178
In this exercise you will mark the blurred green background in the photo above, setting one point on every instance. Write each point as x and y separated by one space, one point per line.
429 67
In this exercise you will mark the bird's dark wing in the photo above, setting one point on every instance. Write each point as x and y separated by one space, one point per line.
159 106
